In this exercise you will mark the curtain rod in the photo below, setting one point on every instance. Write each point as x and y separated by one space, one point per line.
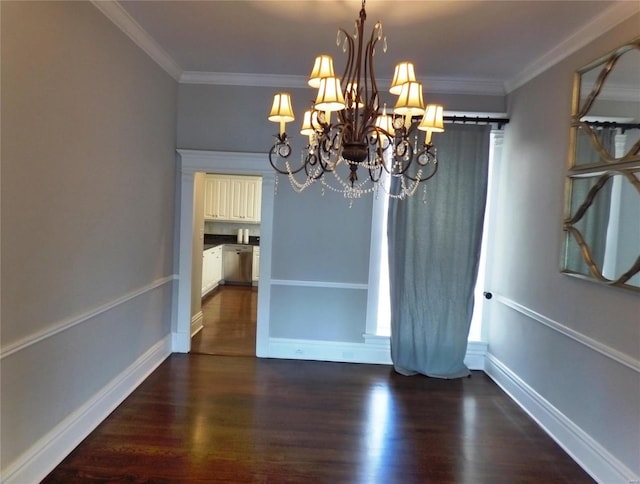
499 122
613 124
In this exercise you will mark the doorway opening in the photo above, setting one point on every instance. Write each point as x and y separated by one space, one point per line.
226 231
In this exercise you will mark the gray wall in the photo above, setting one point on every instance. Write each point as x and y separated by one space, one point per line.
88 181
537 308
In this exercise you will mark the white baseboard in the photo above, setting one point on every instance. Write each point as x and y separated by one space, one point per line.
588 453
377 352
476 352
302 349
196 323
52 448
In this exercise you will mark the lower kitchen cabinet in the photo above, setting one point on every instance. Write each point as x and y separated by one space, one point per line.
211 269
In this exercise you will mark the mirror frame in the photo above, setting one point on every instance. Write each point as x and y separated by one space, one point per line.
609 166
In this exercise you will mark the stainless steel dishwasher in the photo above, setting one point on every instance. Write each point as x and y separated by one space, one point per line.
236 263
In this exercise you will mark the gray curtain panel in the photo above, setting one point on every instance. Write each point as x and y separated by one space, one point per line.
434 249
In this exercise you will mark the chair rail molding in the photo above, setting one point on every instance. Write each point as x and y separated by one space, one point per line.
601 348
68 323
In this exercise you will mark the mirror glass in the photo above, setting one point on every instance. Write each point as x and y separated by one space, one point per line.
605 235
602 215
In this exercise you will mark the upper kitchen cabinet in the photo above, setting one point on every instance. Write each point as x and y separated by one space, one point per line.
232 198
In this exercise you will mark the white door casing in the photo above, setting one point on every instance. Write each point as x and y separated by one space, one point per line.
191 162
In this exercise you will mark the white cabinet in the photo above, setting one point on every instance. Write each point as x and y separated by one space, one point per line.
211 269
217 197
217 265
255 266
232 198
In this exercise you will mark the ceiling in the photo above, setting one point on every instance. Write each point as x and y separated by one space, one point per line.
491 42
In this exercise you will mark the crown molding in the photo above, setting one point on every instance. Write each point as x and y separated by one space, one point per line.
121 18
612 16
242 79
448 85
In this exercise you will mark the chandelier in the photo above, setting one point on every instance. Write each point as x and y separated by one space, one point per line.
365 149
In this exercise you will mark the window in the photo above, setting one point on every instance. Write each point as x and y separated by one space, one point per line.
379 312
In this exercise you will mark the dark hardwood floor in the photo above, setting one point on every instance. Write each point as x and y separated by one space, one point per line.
201 418
229 322
238 419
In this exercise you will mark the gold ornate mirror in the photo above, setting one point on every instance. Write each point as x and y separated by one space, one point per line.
602 208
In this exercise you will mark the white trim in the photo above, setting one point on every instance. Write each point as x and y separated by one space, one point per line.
232 162
125 22
197 323
377 353
475 356
34 464
332 285
589 454
68 323
449 85
339 351
601 348
243 79
618 12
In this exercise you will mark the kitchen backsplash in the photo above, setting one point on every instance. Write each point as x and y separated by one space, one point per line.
230 228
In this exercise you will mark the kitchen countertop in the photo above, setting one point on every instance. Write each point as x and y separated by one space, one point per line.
215 240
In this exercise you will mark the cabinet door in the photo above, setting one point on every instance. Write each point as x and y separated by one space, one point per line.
207 270
237 199
217 197
253 199
217 265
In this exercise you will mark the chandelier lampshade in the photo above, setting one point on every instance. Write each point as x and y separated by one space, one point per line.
364 139
433 119
384 124
330 97
322 67
410 102
281 110
403 73
307 123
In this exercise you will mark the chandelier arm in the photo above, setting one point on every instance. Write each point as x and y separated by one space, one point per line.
319 171
348 72
357 74
325 148
371 106
424 178
433 162
274 150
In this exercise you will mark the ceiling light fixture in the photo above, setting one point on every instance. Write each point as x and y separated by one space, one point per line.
364 137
